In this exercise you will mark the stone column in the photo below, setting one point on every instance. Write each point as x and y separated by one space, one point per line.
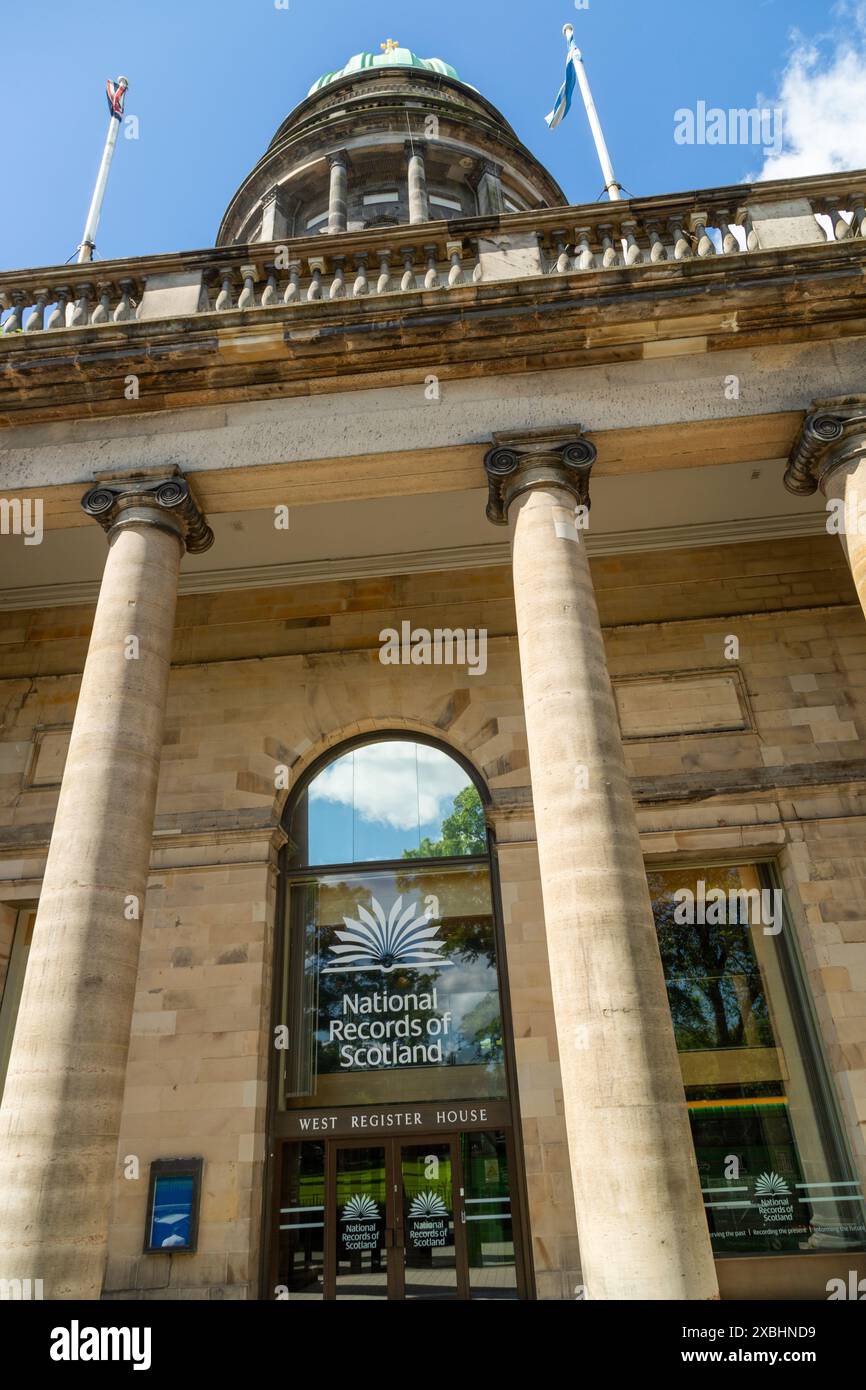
640 1218
830 454
61 1109
337 198
419 207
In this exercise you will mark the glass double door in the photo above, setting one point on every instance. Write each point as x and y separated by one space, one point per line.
398 1220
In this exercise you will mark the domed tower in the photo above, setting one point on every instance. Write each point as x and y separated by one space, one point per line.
390 138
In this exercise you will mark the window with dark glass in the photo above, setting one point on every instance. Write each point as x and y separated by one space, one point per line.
775 1172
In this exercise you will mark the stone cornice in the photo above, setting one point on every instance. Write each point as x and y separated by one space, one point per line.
433 561
166 502
832 435
576 319
560 458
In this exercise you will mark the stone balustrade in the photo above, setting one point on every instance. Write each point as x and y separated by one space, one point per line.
440 256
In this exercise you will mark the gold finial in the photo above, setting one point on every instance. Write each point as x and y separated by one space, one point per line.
389 45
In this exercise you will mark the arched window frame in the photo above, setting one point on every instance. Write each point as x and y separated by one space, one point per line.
332 754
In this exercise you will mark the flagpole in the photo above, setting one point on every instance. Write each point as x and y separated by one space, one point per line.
88 241
612 188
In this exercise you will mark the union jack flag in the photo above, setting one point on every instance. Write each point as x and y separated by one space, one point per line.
115 93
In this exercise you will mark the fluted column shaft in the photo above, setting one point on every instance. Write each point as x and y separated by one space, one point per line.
641 1224
61 1110
419 206
339 192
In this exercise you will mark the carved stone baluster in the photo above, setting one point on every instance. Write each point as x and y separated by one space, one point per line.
563 260
658 250
454 250
698 225
293 289
269 293
744 220
338 284
477 269
362 284
408 282
124 311
383 284
841 228
730 245
858 207
57 317
610 254
431 279
317 266
634 255
682 249
102 312
14 323
81 308
224 298
585 260
247 297
36 321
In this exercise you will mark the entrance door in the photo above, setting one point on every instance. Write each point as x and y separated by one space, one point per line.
363 1264
413 1218
397 1220
433 1218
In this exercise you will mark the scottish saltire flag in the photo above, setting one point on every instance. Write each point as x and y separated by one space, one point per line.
562 105
115 94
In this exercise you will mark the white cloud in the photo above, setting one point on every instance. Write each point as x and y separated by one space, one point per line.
381 779
821 95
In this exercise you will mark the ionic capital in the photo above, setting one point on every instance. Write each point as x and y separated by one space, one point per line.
832 436
560 458
166 502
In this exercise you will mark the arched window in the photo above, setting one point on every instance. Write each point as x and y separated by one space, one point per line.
391 980
388 800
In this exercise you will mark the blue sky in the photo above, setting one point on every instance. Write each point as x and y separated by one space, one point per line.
210 80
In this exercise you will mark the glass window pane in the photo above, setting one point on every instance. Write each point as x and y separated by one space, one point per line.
388 800
774 1175
172 1211
301 1258
362 1194
428 1220
394 988
489 1233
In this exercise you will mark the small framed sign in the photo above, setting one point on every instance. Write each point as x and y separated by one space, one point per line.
172 1205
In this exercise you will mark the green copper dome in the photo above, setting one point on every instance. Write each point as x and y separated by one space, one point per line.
391 58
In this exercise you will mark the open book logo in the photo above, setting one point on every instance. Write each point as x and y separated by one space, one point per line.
428 1204
403 938
361 1208
771 1185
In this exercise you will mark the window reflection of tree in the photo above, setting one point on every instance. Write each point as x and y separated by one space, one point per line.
714 983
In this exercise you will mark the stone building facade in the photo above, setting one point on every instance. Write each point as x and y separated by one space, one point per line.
315 539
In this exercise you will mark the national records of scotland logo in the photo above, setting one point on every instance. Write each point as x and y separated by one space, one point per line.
360 1208
400 939
771 1185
